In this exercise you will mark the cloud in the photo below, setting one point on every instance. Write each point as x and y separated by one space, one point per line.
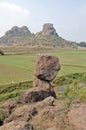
12 14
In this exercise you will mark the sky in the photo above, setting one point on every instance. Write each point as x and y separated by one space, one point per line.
67 16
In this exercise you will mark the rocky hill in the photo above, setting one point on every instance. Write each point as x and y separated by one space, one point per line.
47 37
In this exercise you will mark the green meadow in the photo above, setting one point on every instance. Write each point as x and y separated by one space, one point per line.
20 68
17 73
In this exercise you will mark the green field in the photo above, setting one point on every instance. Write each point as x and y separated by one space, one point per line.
16 68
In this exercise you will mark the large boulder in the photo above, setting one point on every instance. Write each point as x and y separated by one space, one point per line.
47 67
16 125
77 115
36 94
48 29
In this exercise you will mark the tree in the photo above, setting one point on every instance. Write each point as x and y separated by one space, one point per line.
1 52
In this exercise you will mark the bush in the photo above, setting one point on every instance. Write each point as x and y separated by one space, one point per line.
1 52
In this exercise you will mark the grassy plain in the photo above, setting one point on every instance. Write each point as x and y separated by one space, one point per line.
17 68
17 71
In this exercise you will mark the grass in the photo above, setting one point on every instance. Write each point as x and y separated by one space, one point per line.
16 68
74 91
17 71
12 90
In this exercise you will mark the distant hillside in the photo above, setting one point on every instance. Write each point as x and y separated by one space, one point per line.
47 37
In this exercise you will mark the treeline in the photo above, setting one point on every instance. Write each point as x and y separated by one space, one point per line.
82 44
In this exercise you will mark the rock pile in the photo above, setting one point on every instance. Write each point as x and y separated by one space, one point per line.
19 113
46 69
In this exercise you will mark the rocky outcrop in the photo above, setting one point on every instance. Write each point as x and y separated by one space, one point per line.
48 29
17 31
35 95
37 101
77 115
46 69
23 113
48 37
17 125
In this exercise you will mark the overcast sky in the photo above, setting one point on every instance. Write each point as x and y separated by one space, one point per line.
68 16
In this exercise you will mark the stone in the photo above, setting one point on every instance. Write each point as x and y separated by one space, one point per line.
52 128
22 113
47 67
41 83
10 104
36 94
48 29
49 101
17 125
77 115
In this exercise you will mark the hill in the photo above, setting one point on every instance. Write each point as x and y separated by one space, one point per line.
48 37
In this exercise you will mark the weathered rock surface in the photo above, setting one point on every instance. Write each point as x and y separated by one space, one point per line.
77 115
25 112
10 104
41 83
36 94
53 128
22 113
16 125
47 67
15 31
48 29
51 117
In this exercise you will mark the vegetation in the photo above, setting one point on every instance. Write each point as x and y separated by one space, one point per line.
16 73
82 44
17 68
12 90
1 52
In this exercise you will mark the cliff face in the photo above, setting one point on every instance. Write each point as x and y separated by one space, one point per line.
47 37
48 29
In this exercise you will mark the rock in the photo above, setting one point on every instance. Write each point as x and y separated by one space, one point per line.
77 115
16 125
49 101
41 83
47 67
25 30
36 94
10 104
17 31
51 116
53 128
22 113
48 29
